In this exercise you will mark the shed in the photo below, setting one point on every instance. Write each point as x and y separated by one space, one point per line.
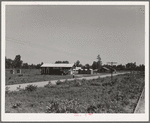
56 69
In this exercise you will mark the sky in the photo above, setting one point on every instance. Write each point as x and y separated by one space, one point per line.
48 33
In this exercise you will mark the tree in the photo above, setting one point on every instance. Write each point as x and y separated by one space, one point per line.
87 66
83 67
77 63
120 67
66 62
62 62
25 65
131 66
38 66
140 67
17 63
41 63
99 63
9 63
94 65
58 62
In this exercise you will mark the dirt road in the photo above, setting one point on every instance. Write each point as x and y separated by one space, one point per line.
43 83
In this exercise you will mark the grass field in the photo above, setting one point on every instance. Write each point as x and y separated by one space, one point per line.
79 96
31 75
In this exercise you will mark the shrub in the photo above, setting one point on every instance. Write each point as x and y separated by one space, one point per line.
16 105
83 80
49 85
31 88
91 109
58 82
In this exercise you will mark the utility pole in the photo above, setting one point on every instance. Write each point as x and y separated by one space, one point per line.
111 69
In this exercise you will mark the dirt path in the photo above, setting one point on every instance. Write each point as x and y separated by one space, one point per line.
140 108
43 83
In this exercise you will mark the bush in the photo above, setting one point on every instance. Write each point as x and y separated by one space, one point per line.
49 85
31 88
58 82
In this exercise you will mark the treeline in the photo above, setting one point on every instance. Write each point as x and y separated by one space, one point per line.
18 63
128 66
97 65
62 62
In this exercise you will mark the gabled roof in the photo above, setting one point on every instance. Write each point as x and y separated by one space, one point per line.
56 65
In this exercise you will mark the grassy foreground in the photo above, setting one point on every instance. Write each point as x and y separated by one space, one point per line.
79 96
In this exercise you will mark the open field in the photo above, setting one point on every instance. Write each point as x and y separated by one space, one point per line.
79 96
31 75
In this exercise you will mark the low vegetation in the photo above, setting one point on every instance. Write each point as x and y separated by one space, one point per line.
31 88
79 96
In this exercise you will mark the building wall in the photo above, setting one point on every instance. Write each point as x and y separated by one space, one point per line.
54 70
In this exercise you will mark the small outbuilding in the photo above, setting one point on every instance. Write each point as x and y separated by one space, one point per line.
56 69
85 71
76 70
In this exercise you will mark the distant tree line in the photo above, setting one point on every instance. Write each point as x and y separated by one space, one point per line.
128 66
97 65
18 63
62 62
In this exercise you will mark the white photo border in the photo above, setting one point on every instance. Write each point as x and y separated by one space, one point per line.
71 117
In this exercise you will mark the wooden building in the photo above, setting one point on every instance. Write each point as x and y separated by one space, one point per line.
56 69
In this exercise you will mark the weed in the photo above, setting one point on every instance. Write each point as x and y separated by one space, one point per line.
77 83
95 84
102 79
31 88
16 105
7 89
98 78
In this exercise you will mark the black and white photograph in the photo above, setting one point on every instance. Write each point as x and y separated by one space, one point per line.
75 61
